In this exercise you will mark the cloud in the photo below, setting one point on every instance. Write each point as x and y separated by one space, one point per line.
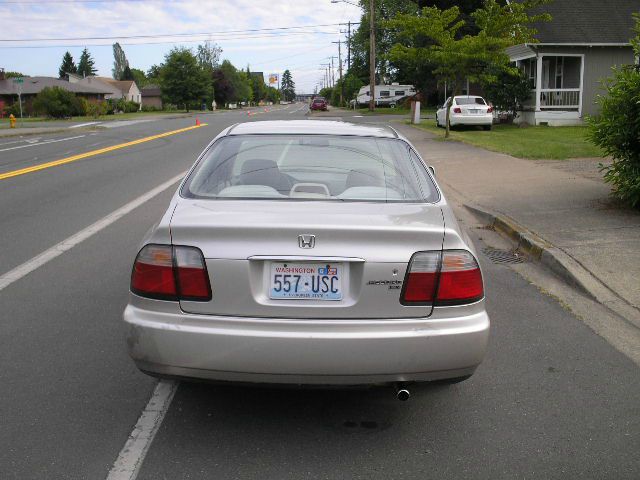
269 52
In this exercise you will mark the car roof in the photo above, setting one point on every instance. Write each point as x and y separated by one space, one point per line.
312 127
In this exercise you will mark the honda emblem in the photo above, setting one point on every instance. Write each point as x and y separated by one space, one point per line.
306 241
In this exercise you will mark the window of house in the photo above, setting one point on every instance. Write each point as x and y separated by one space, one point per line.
559 71
533 71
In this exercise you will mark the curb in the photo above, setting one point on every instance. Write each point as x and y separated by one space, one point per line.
559 262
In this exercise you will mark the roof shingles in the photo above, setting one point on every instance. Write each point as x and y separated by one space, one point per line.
33 85
588 21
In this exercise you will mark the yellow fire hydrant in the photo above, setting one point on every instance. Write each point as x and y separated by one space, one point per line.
12 121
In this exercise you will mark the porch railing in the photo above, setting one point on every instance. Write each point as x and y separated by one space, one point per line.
560 98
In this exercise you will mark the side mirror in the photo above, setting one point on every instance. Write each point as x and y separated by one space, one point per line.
433 170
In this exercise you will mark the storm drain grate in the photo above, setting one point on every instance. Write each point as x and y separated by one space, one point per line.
503 256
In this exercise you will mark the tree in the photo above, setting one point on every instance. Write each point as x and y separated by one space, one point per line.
127 74
352 85
457 59
288 87
119 61
86 64
67 66
139 77
153 74
183 82
617 128
258 87
224 89
14 75
244 92
231 85
208 55
272 95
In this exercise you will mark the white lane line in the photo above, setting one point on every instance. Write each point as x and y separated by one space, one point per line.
84 124
129 461
27 140
38 261
42 143
123 123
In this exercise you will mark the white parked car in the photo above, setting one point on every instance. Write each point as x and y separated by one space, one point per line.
466 110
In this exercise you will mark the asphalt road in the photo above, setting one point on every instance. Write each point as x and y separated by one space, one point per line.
552 400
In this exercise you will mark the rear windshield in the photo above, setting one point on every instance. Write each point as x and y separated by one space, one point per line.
310 167
470 101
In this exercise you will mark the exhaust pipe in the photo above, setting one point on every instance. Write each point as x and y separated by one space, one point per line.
403 394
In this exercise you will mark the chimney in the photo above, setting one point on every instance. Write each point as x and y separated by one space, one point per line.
2 77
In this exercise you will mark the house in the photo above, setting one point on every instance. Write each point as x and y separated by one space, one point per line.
31 86
152 96
576 51
118 89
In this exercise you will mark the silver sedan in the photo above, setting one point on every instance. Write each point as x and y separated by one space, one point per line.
308 252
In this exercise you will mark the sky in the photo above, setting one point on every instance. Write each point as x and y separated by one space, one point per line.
35 34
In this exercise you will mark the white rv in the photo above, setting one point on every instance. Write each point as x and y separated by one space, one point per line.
386 95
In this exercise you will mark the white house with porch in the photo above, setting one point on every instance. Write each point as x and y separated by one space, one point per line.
574 53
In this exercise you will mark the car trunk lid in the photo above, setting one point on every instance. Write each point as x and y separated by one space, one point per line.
244 242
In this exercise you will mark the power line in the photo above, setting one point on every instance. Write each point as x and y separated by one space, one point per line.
45 2
165 35
180 40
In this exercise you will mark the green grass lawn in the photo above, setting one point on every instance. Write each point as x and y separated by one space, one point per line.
554 143
395 111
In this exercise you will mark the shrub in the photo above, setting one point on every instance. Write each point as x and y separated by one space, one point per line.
508 92
130 107
93 109
617 129
150 108
57 102
13 109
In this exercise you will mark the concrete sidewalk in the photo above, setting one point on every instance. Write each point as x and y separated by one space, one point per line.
564 206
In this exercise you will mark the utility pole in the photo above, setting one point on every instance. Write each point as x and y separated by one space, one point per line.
333 80
348 46
372 58
339 42
327 75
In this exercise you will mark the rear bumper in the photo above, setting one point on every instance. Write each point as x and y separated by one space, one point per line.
471 119
320 352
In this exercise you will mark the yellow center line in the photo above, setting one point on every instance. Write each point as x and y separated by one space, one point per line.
91 153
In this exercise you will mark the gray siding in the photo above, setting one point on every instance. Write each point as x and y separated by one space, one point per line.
598 62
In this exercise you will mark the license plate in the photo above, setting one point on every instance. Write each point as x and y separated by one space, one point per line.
474 111
306 281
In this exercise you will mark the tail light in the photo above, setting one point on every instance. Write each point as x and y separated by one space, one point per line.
490 110
460 279
451 277
421 279
457 110
166 272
